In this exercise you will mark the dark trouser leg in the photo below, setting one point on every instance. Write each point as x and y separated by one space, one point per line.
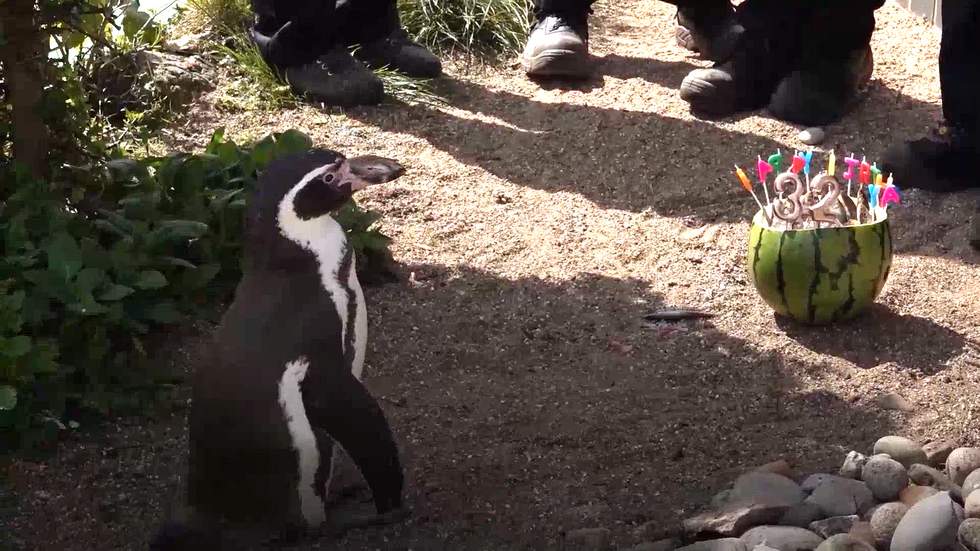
366 20
374 25
833 64
944 161
572 8
958 68
292 33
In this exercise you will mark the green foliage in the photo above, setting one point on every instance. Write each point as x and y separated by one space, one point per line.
216 17
91 270
485 28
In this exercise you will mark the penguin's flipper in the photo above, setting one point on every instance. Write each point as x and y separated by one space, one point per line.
344 408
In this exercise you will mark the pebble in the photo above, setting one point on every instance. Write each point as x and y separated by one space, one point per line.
885 477
885 521
969 534
924 475
844 542
961 462
588 539
838 496
722 544
971 483
812 135
914 494
659 545
937 452
782 538
802 515
929 525
811 482
781 467
853 464
766 488
862 531
732 520
901 449
834 525
971 506
895 402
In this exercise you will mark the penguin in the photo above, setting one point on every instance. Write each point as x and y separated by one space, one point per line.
280 390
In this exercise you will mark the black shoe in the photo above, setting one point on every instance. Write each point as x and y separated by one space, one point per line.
940 162
401 54
744 81
818 94
558 46
337 79
712 33
975 231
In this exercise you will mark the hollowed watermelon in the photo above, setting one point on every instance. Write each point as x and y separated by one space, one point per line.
818 276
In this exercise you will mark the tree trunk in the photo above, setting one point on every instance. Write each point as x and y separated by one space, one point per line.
25 58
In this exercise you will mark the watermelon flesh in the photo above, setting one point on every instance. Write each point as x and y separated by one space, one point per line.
818 276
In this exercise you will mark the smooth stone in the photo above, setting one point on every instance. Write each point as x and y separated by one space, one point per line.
969 534
885 520
780 467
763 547
924 475
971 505
721 499
844 542
971 483
862 531
929 525
722 544
766 488
885 477
812 135
801 515
734 519
962 462
901 449
588 539
659 545
895 402
834 525
811 482
853 464
838 497
914 494
782 538
938 452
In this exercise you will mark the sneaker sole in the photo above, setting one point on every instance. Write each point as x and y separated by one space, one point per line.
705 99
557 63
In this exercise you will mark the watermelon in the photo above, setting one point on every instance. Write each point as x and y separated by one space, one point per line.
817 276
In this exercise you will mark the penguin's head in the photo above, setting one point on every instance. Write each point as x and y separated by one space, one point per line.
296 195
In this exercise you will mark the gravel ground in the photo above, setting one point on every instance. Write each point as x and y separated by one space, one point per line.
533 231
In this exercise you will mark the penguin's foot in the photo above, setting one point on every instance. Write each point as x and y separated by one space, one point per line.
344 522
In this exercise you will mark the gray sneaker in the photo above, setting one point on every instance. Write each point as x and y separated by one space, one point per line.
337 79
558 46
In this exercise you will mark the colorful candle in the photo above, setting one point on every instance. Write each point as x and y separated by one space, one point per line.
849 173
764 169
865 174
832 163
776 160
748 185
798 163
806 158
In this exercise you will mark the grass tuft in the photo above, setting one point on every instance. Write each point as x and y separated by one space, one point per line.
479 28
217 17
253 84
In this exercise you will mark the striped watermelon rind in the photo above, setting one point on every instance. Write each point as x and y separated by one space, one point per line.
821 275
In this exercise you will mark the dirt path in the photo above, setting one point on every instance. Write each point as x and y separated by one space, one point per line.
534 230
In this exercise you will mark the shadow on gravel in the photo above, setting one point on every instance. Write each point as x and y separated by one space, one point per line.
882 335
523 408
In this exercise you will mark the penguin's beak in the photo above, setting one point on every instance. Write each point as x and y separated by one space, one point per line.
369 170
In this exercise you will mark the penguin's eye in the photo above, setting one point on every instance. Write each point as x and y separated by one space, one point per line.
328 178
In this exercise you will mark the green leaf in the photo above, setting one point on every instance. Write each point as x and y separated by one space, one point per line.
179 229
164 311
151 279
116 292
292 141
87 307
8 397
50 284
64 256
37 309
16 347
222 199
88 279
174 261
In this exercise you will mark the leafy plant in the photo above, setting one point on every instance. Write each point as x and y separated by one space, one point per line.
484 28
